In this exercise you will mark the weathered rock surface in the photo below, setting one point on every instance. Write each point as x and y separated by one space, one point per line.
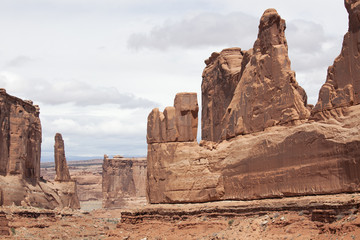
220 78
176 124
62 171
20 137
4 225
259 142
123 178
342 87
246 92
312 158
20 149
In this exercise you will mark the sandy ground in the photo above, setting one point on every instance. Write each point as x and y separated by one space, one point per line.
313 217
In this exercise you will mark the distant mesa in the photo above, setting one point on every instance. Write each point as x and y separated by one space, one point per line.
260 138
123 181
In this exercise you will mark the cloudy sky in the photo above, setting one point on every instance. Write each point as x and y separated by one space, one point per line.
98 67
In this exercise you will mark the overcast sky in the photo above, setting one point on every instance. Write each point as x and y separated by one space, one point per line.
98 67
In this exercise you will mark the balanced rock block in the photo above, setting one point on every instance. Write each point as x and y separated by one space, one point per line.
175 124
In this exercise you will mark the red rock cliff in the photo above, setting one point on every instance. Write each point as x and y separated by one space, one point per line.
20 137
342 86
257 139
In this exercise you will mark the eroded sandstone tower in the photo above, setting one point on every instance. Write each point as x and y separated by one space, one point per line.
62 171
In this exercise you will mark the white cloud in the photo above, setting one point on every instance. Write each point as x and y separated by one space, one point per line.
70 91
205 29
19 61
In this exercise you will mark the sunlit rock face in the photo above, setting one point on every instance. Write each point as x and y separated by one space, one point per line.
258 137
247 91
342 86
176 124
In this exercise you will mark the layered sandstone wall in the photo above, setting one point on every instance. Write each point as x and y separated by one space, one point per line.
123 178
258 139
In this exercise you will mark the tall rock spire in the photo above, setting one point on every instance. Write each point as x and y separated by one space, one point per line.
261 87
62 171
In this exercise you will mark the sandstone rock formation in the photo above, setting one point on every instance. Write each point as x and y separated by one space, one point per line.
342 87
20 137
20 149
88 177
176 124
258 141
4 225
248 91
62 171
123 179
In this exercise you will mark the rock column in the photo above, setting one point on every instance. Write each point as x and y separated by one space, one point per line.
62 171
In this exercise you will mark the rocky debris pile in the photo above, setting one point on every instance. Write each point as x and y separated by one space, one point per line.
20 149
342 86
259 140
123 181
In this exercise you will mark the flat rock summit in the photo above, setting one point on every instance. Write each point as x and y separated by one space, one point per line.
260 138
